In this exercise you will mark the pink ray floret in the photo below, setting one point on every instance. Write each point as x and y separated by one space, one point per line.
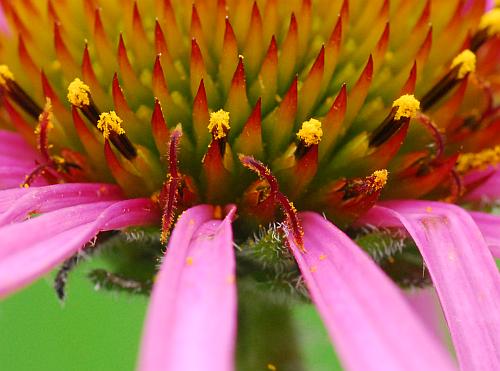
489 190
17 159
38 200
366 315
191 322
489 225
31 248
463 272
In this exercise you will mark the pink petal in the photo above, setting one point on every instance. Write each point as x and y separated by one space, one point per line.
462 270
426 304
366 315
489 190
10 160
6 197
14 176
13 147
17 159
32 248
489 225
44 199
191 322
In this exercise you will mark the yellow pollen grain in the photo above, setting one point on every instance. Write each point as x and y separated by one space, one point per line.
109 122
47 114
478 161
313 269
155 197
428 209
467 62
491 21
78 93
379 179
322 257
218 124
271 367
5 75
189 261
407 106
310 133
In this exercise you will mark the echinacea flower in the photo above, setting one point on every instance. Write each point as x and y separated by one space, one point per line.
271 146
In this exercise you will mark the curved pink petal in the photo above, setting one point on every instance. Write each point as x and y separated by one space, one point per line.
17 159
366 315
489 225
14 176
44 199
426 304
489 190
191 322
463 272
32 248
6 197
14 148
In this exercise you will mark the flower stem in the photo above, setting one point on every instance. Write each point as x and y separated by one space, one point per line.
266 335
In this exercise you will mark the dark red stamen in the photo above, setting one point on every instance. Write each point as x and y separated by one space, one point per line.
441 88
43 140
170 191
387 128
19 95
431 127
49 168
478 39
46 170
457 187
292 219
172 152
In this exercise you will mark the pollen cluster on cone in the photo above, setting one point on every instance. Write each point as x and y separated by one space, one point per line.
78 93
218 124
491 22
478 161
407 106
380 178
466 61
108 123
5 74
310 133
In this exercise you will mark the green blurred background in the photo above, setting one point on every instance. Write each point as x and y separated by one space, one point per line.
101 330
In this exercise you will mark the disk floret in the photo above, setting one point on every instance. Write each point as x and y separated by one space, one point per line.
490 22
310 133
5 75
219 124
78 93
407 106
110 122
466 61
379 179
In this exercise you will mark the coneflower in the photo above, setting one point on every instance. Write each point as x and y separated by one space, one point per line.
305 149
